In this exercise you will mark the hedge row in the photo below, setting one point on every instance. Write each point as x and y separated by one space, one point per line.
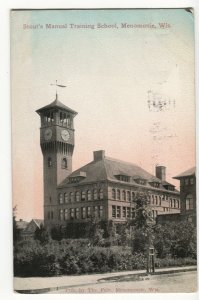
80 257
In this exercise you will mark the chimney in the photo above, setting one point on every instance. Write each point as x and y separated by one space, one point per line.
160 172
98 155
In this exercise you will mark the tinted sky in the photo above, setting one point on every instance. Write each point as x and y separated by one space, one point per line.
108 73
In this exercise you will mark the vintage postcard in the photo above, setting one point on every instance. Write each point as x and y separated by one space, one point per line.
103 151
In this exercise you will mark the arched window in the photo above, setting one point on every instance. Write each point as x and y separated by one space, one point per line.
71 197
101 194
174 203
49 162
64 163
95 194
118 195
160 200
123 195
66 214
60 197
77 196
61 214
65 197
83 196
113 194
177 204
89 195
189 202
128 196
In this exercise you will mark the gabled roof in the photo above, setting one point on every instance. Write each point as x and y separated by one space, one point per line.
38 222
56 104
108 168
189 172
32 225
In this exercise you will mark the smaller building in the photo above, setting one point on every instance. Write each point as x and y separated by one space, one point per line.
188 194
187 199
30 229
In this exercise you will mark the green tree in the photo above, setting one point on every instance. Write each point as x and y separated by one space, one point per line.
42 235
16 230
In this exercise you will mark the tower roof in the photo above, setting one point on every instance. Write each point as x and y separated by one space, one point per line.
56 104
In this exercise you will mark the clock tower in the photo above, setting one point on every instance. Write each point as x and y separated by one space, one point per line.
57 145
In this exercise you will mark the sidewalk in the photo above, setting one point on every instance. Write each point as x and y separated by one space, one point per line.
34 285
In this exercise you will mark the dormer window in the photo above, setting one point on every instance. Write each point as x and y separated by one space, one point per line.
123 177
155 184
140 181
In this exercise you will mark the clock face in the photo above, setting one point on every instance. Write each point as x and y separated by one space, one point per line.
65 135
48 134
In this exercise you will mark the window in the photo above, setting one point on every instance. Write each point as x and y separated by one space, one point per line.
96 212
101 194
89 195
113 211
83 196
77 196
189 202
177 203
77 213
191 180
88 212
113 194
68 121
160 200
95 195
65 197
123 195
152 196
71 197
101 211
50 199
171 202
133 195
60 198
118 212
61 214
118 195
128 196
72 213
156 200
133 212
128 212
49 162
64 163
124 212
186 181
174 202
64 119
66 214
61 117
83 212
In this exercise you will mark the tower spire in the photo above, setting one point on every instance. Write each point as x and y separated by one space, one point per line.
57 85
